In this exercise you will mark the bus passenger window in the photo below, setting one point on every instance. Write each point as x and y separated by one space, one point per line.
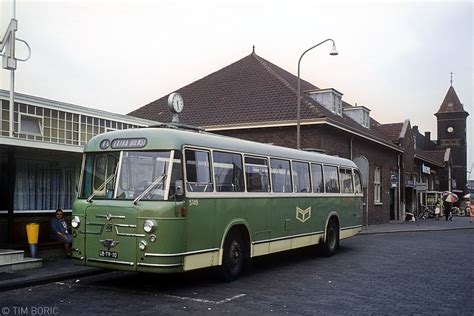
331 177
301 177
357 182
281 175
256 171
228 173
198 172
346 181
317 173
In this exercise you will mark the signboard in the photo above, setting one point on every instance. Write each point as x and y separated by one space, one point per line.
425 169
421 186
393 180
128 143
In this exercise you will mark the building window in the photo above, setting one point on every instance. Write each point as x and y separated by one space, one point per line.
377 185
31 124
365 119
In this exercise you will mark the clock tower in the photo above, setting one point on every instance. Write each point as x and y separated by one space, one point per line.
451 119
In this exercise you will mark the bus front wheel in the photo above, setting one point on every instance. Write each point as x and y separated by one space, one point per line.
234 257
331 243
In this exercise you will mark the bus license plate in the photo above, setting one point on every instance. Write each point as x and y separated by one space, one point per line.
108 254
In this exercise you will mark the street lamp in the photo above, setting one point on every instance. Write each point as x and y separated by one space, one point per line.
333 52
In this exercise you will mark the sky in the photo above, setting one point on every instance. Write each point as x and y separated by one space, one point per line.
395 57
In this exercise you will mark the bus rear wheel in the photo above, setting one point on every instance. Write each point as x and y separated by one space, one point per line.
331 243
234 257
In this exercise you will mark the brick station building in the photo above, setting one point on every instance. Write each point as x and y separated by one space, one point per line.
256 100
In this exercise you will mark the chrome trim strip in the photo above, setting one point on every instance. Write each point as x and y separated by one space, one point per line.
351 227
110 216
286 237
148 254
249 195
119 172
168 179
160 265
125 225
127 234
110 261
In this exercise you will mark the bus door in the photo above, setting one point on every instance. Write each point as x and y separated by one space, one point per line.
200 200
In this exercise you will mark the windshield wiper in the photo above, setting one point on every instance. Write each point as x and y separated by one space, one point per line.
89 199
147 190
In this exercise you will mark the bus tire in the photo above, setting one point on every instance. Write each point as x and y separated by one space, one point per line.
331 243
233 257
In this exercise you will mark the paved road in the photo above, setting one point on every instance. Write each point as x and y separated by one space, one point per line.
400 273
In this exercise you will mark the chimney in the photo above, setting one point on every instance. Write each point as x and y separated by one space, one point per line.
428 140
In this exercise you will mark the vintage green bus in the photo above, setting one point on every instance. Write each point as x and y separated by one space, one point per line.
169 198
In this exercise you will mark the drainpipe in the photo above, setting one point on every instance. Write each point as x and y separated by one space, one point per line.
399 188
350 145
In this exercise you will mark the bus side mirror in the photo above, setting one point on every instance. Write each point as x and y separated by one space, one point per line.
178 184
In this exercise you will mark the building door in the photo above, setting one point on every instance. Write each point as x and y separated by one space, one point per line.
392 204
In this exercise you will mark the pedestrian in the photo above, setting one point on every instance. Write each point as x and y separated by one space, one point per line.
59 231
448 212
438 209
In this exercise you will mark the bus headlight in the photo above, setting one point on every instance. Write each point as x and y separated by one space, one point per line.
142 245
149 225
75 222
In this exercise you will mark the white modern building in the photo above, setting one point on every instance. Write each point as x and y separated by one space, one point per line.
40 162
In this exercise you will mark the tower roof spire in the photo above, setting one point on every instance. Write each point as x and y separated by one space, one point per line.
451 80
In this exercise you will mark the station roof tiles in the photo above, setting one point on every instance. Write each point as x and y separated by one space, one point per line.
250 91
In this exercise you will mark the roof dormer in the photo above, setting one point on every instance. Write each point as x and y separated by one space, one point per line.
330 98
360 114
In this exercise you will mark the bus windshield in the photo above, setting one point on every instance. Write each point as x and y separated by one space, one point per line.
131 175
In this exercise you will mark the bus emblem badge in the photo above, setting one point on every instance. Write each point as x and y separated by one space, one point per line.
303 215
109 243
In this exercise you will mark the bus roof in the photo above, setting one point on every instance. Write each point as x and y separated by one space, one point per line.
167 137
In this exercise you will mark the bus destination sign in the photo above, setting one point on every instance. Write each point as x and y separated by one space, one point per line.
119 143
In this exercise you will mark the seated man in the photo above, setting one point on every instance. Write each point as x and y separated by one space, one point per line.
59 231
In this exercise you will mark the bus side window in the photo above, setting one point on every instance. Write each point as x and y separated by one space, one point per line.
317 173
357 182
301 177
198 172
331 176
228 173
346 181
281 175
256 172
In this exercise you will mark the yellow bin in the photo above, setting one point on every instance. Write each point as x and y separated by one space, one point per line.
32 232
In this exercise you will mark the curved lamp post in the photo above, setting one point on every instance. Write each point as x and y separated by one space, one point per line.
333 52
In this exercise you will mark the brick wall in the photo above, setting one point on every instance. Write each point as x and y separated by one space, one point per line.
335 142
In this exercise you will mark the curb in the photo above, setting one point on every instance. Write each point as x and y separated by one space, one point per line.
413 231
17 284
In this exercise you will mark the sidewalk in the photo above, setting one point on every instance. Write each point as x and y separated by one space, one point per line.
430 224
58 269
54 269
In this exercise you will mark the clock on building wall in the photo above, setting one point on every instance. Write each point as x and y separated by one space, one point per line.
450 129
